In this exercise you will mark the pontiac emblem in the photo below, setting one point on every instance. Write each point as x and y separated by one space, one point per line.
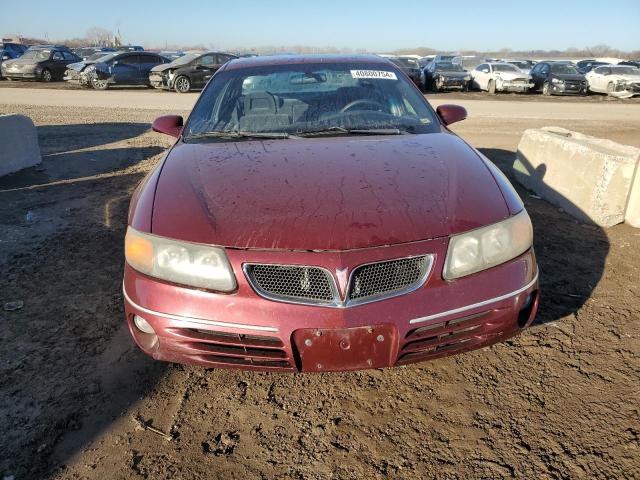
342 277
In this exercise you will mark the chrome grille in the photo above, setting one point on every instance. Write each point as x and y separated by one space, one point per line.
316 286
291 282
388 278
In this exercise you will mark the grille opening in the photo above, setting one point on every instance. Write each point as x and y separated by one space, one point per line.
447 326
243 361
227 338
283 282
236 351
384 278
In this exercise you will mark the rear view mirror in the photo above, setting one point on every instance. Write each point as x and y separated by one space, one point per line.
451 113
169 125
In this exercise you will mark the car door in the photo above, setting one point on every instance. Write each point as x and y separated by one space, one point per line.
124 69
203 69
481 76
594 79
57 64
147 62
537 75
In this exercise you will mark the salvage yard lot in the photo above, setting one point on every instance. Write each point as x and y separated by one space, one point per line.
77 397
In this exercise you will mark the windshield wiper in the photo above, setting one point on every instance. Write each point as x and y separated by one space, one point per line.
352 131
237 134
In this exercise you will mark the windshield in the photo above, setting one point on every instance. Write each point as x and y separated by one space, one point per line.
524 65
406 62
37 55
504 68
311 98
448 67
625 71
183 60
101 56
563 68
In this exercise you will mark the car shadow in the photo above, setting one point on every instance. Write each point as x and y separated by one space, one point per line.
77 151
571 254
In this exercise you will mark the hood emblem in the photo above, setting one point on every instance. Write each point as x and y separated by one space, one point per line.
342 279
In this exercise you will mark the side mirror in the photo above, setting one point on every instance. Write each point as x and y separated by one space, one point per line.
451 113
169 125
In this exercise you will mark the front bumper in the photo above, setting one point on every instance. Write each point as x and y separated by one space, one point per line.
515 87
21 75
76 78
569 88
244 330
160 81
447 83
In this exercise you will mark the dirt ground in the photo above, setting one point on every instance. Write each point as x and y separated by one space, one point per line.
79 401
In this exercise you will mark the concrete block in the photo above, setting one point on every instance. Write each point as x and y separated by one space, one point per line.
18 144
588 177
632 215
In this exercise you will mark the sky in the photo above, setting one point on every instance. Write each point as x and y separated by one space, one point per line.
373 25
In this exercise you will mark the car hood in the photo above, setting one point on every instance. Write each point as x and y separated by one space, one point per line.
163 67
79 66
569 76
22 61
511 75
629 78
335 193
451 74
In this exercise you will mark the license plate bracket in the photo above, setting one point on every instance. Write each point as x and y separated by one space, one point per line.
334 349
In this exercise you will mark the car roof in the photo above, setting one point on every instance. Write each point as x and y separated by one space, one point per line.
269 60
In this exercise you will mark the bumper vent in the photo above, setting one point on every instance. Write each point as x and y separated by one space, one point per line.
316 286
293 283
228 349
390 278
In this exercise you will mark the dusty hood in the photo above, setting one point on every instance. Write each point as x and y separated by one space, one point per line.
511 75
162 67
324 193
451 74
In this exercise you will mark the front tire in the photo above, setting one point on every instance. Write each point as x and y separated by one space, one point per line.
98 84
182 85
491 87
46 76
611 89
546 89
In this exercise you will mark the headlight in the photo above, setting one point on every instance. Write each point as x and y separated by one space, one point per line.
489 246
191 264
467 78
557 80
90 68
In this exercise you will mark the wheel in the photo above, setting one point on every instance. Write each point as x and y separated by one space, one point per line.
546 89
182 85
46 75
611 88
434 86
491 87
98 84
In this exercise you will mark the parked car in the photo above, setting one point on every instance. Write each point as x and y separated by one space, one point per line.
439 76
631 63
13 50
499 77
524 66
585 66
410 66
191 71
558 78
45 64
130 48
424 250
123 68
171 54
74 72
444 58
615 80
85 52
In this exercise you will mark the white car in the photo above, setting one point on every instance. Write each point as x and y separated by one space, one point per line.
500 77
615 80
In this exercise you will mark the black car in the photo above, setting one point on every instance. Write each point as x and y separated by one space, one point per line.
558 78
585 66
410 66
190 71
121 68
39 63
439 76
631 63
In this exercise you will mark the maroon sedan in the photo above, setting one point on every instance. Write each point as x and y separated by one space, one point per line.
316 214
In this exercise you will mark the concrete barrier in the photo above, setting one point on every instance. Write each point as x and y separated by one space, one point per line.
632 215
588 177
18 144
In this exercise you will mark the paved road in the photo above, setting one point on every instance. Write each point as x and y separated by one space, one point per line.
545 109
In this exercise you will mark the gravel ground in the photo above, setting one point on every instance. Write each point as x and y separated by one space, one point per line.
79 401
